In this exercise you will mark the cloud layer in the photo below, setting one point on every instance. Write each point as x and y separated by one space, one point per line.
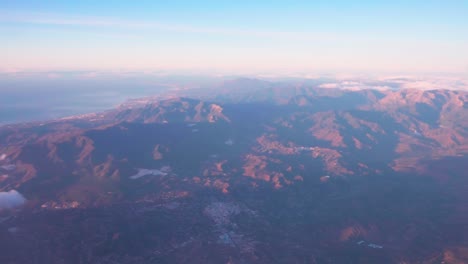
11 199
399 82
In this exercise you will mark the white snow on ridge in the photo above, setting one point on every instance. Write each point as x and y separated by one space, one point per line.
146 172
89 115
372 245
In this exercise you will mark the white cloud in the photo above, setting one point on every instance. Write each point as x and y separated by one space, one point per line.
11 199
329 85
430 82
423 82
353 85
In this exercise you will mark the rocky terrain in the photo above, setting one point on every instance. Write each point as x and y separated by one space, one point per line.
247 172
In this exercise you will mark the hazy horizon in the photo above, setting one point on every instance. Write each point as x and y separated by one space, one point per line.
33 96
86 56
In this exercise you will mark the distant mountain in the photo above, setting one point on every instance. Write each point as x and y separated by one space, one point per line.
248 171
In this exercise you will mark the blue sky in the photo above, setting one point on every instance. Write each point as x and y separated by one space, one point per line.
281 36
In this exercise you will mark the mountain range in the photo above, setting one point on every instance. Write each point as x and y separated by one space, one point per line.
248 171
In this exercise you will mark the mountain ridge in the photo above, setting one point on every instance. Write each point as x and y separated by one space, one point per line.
243 169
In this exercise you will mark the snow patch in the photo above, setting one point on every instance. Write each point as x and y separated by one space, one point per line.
372 245
229 142
146 172
3 157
